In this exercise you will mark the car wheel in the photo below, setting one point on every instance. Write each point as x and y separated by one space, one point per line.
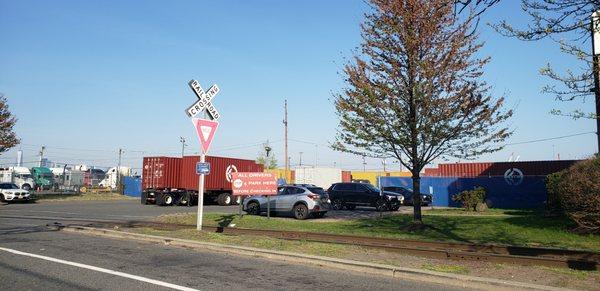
395 208
337 204
381 205
26 187
300 211
253 208
2 198
350 207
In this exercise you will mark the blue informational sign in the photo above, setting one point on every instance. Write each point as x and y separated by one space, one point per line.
202 168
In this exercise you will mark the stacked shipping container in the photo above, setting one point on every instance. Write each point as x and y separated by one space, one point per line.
528 168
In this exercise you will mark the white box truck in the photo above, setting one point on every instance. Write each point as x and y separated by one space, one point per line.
21 176
319 176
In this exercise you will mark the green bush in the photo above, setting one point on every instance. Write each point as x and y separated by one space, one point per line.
553 207
576 192
470 198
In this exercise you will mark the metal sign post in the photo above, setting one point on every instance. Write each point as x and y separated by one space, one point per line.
200 195
268 207
205 129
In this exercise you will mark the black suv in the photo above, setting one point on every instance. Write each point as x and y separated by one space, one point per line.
350 195
426 199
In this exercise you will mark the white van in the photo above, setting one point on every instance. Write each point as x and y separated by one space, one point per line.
20 176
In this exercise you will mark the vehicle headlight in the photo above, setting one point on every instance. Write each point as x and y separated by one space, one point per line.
390 196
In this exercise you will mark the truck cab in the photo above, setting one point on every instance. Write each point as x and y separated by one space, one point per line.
113 175
20 176
43 178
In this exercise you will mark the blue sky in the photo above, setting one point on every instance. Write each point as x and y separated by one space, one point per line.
87 77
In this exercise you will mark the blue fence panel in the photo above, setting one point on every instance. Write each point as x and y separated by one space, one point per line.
528 192
132 186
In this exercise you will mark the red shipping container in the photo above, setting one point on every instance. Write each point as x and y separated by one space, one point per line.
160 172
217 180
528 168
346 176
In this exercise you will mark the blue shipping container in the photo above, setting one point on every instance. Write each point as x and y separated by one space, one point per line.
527 192
132 186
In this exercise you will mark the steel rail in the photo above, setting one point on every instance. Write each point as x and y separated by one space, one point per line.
575 259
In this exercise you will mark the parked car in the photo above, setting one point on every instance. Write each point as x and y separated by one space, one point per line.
11 192
300 200
350 195
426 199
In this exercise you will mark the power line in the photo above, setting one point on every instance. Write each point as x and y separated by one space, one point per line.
550 138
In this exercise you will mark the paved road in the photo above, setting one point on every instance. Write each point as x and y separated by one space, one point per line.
164 264
133 210
110 210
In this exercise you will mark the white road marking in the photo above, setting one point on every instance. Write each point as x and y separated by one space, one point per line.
102 270
72 213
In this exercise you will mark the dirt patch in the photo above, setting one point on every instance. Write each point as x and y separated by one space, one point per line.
557 277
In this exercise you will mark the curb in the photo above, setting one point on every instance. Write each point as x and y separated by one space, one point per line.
320 261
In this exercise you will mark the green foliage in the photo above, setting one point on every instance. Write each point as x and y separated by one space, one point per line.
576 192
7 122
470 198
268 162
553 180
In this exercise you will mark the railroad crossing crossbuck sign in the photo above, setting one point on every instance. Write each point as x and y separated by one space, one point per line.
205 128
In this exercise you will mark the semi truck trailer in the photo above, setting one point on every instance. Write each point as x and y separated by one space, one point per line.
173 181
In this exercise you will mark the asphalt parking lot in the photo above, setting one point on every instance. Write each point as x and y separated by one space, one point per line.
133 210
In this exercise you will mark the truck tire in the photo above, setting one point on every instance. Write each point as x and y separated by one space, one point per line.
26 187
168 199
224 199
185 199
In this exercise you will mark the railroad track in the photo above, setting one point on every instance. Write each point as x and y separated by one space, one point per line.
574 259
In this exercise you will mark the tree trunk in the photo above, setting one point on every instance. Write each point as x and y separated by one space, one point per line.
416 178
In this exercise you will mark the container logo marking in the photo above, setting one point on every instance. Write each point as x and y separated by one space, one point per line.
513 177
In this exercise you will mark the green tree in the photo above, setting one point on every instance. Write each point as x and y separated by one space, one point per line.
415 94
8 138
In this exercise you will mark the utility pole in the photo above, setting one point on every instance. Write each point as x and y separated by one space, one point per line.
300 159
182 141
384 164
595 28
42 155
316 155
285 124
364 164
119 171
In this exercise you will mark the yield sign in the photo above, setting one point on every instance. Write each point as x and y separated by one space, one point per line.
206 131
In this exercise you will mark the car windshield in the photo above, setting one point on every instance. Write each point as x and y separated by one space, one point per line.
372 188
317 190
8 186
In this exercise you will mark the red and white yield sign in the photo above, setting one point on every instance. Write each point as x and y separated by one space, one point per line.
206 131
253 183
205 128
